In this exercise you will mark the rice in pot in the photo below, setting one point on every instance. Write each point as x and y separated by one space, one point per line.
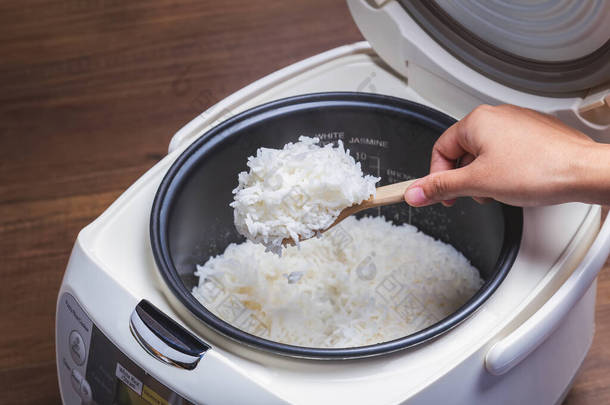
363 282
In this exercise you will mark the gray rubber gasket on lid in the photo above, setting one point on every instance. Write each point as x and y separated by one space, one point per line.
556 78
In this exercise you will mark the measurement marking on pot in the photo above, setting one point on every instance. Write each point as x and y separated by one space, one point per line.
395 176
329 136
377 168
372 163
380 143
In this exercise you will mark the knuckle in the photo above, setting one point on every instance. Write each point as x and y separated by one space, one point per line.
481 110
438 187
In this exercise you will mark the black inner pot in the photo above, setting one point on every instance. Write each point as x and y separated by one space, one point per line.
191 219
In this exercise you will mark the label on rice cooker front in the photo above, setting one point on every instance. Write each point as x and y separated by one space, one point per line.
129 379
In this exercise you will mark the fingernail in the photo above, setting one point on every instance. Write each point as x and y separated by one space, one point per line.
415 196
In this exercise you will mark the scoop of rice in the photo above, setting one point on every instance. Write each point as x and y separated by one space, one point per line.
297 191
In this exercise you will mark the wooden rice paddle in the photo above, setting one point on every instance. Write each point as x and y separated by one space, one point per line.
386 195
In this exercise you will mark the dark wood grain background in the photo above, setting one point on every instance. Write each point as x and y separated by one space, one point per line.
91 92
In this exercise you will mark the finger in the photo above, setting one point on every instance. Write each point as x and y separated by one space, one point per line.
451 146
446 150
440 186
466 160
449 203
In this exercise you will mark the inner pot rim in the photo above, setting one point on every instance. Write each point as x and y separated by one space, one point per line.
171 184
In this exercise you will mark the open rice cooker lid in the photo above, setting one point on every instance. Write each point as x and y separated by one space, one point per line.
555 48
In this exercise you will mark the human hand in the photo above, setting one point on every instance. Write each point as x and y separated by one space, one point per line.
516 156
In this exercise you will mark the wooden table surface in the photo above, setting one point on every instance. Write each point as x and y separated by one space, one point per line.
90 94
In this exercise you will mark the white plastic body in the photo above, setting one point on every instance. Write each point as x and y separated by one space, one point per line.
112 258
109 305
510 351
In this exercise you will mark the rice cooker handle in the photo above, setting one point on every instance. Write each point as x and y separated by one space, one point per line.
514 348
164 339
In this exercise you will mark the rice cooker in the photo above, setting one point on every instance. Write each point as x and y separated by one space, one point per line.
129 331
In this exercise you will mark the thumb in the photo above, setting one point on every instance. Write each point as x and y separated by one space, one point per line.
440 186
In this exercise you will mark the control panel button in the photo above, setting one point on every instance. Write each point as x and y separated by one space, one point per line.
76 378
85 392
78 351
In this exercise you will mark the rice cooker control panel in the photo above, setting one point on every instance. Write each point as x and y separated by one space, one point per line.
92 370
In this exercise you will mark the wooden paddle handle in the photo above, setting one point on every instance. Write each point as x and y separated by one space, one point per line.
390 194
386 195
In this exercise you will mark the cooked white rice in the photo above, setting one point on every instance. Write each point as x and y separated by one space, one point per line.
365 281
296 191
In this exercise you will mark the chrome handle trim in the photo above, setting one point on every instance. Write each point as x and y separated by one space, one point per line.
160 349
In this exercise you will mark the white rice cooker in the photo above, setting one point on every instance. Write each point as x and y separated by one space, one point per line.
128 333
